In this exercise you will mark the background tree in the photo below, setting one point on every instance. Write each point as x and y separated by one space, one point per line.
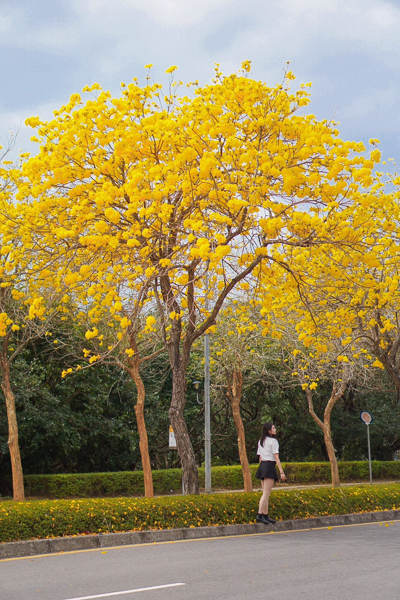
342 373
241 356
327 353
24 315
129 348
353 292
369 298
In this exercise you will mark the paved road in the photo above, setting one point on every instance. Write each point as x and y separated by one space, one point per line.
342 563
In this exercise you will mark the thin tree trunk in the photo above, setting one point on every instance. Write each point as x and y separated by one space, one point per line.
331 453
325 425
13 444
235 386
139 410
337 393
184 445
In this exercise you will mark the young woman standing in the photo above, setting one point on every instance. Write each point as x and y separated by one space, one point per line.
268 453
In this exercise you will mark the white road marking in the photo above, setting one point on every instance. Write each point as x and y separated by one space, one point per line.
146 589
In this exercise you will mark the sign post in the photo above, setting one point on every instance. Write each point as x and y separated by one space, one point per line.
172 440
172 446
366 418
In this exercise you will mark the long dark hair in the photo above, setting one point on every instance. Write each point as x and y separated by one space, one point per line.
266 432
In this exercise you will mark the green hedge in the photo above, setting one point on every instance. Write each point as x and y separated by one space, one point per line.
54 518
169 481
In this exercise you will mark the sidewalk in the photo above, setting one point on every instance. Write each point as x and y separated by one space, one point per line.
285 486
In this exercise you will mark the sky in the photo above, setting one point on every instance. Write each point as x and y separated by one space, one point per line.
348 49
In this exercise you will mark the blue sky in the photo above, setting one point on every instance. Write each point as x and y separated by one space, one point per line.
350 50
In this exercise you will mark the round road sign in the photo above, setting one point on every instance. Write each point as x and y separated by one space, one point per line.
366 417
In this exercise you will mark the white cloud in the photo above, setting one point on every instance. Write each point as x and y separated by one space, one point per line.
167 13
294 29
348 48
375 104
310 29
9 19
20 29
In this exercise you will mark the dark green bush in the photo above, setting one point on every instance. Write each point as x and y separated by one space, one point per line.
130 483
53 518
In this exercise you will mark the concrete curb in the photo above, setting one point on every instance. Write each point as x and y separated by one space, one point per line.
109 540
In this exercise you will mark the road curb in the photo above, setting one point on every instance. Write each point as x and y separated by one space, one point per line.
109 540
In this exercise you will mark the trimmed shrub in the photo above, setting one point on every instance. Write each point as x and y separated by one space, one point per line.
54 518
130 483
80 485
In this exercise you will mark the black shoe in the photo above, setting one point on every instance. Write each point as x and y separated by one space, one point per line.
262 519
269 520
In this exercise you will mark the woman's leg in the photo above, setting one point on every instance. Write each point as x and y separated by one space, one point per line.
260 504
267 487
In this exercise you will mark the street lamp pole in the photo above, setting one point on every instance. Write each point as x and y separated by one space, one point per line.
207 415
207 428
207 410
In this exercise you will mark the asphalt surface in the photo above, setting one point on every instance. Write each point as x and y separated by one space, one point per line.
340 563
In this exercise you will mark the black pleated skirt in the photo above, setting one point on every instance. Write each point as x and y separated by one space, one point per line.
267 470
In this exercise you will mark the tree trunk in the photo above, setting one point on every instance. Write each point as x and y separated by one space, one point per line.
325 425
184 445
235 386
143 440
179 355
331 453
13 445
337 393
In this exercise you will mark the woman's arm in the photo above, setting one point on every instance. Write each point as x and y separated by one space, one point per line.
278 462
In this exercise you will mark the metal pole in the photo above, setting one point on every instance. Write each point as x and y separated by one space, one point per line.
369 455
207 410
207 415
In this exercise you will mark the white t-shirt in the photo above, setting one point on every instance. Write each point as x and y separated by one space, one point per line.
269 448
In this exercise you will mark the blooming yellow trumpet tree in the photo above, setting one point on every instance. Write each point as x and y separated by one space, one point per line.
122 337
25 314
241 356
353 293
338 320
367 299
327 359
187 195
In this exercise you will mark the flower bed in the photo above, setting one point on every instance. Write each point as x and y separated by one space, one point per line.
54 518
